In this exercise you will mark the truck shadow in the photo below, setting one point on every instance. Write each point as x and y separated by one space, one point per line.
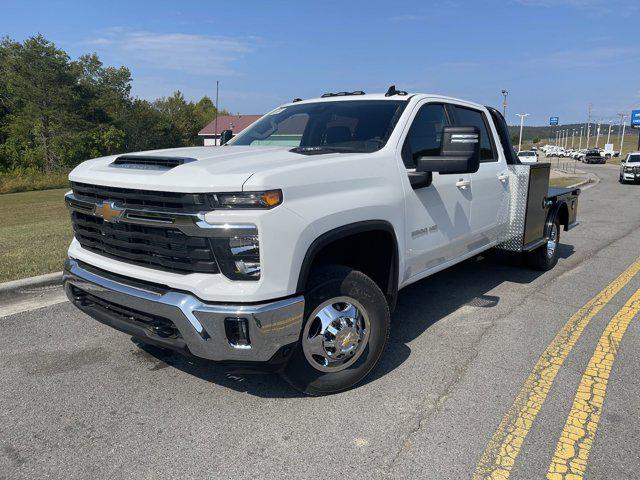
420 306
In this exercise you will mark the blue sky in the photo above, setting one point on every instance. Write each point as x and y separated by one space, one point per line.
553 56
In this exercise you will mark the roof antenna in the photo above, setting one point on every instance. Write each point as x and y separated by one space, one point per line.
392 91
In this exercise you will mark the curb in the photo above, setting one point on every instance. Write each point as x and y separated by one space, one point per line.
579 184
40 281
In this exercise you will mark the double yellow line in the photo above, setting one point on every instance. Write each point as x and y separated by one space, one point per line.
573 448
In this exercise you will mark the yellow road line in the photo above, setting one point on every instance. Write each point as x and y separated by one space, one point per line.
574 445
500 454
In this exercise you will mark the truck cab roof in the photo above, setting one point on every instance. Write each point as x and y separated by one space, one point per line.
381 96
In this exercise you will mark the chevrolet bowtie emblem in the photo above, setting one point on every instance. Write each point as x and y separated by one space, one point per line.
108 211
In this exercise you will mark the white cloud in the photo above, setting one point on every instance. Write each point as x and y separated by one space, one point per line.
187 53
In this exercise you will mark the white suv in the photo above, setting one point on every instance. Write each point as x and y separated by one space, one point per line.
630 168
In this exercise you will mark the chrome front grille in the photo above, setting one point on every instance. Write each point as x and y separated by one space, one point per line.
165 248
169 202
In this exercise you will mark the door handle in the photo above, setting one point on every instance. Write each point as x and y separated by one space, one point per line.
463 184
503 177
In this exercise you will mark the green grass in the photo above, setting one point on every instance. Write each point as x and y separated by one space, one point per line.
564 181
35 231
13 182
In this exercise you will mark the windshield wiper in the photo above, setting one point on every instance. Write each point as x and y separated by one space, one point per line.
319 150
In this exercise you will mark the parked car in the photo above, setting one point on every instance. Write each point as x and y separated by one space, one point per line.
290 257
593 156
553 152
528 156
630 168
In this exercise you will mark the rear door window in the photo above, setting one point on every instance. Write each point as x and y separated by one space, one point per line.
468 117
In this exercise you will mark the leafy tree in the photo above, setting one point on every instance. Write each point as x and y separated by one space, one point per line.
41 87
55 112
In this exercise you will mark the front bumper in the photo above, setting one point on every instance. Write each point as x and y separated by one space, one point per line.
179 320
631 176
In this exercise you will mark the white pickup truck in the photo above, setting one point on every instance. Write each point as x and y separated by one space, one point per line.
285 248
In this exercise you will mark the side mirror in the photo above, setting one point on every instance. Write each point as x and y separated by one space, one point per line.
459 152
225 136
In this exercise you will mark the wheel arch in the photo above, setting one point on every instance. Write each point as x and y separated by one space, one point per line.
352 235
561 213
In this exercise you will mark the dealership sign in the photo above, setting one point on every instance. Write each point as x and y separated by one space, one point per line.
635 118
553 120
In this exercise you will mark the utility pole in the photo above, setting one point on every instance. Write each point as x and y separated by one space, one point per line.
216 140
573 137
504 103
624 124
581 131
622 116
589 124
598 135
609 134
522 117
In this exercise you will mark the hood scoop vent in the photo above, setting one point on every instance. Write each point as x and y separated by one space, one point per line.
148 162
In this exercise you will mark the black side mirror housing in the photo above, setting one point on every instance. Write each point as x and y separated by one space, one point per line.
225 136
459 152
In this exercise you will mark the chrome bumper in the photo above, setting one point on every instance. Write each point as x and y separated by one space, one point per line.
272 325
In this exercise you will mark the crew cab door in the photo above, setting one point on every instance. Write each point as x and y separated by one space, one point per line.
437 216
490 184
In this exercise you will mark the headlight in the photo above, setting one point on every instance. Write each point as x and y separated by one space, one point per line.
238 255
248 200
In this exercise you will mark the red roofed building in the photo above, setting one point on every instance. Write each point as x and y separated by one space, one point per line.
235 123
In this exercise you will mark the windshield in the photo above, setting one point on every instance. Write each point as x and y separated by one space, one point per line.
344 126
633 159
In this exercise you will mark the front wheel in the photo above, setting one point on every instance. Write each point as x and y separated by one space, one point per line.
345 332
546 257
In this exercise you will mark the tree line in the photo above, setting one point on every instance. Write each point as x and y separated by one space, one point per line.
56 112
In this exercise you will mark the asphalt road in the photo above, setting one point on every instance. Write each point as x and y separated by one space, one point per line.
79 400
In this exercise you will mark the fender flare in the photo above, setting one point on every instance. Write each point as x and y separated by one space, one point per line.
553 214
346 231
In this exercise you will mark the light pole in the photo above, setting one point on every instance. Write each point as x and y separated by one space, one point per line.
598 135
522 116
624 124
581 131
216 139
622 117
609 134
573 137
589 125
504 103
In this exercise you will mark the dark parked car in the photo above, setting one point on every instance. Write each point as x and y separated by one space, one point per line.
593 156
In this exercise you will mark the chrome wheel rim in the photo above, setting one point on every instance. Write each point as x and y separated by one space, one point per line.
552 243
336 334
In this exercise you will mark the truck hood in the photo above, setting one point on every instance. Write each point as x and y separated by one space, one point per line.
213 169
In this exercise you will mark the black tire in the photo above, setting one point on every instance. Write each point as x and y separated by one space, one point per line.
621 180
325 284
542 258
